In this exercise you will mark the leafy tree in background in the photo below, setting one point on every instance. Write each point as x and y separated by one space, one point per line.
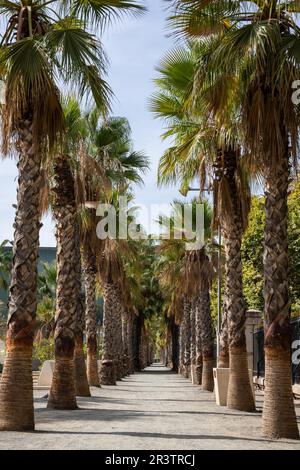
5 264
252 255
294 246
252 251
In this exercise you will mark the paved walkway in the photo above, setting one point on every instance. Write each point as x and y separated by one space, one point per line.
155 409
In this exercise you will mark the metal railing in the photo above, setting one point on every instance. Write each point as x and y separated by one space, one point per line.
258 351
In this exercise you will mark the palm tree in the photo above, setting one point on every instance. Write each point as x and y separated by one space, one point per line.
112 165
90 272
47 281
197 274
167 271
206 148
233 202
116 273
193 343
187 275
186 333
112 280
258 48
81 380
39 43
110 143
63 393
69 319
223 358
199 357
137 298
111 146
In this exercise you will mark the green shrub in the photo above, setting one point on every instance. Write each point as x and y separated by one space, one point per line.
44 350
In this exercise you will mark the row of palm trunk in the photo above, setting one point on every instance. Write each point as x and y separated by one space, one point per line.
196 358
75 314
33 124
195 340
259 120
195 343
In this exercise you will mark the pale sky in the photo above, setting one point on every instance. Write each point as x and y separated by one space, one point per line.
134 47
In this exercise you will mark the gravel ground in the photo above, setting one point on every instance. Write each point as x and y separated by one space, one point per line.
155 409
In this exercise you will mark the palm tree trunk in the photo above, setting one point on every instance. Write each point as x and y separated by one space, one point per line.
206 339
90 270
142 348
223 359
109 359
118 339
130 343
16 389
193 342
168 345
175 346
199 358
187 338
181 347
125 320
279 418
81 381
147 348
240 396
137 328
63 393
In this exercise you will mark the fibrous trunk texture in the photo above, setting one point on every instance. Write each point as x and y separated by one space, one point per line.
110 359
203 306
118 338
175 347
137 331
279 418
187 337
81 381
16 390
198 330
143 349
90 270
168 361
181 347
130 342
223 359
193 342
240 396
125 320
63 392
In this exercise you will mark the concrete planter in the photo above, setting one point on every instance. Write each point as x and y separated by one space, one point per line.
45 377
221 381
46 374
